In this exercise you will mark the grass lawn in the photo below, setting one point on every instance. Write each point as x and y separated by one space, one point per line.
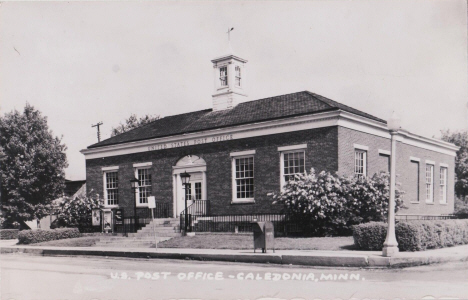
85 241
246 242
225 241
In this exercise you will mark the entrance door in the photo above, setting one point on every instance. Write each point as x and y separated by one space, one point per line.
196 190
193 191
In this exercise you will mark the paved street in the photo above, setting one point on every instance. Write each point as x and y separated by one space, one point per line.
36 277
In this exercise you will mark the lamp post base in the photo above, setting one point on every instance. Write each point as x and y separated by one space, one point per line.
389 251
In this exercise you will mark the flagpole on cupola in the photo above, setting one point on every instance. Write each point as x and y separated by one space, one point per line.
229 34
229 48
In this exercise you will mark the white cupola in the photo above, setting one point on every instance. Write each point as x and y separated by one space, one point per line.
229 80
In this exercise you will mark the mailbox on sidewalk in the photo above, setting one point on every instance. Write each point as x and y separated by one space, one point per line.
264 236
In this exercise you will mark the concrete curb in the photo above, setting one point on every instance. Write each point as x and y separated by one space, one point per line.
339 260
326 261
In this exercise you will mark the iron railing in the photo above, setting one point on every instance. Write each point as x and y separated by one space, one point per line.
282 223
424 217
198 208
129 225
195 209
162 210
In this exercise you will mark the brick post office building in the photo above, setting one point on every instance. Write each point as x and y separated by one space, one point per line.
239 151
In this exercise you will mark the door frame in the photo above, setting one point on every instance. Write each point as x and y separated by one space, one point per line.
178 191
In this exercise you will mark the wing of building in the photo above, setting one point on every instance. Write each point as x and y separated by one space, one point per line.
239 151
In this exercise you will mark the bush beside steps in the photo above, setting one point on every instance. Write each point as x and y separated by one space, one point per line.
413 235
37 236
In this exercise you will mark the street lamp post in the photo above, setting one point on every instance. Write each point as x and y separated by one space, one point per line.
135 185
185 181
391 245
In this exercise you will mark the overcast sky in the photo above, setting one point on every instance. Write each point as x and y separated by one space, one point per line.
84 62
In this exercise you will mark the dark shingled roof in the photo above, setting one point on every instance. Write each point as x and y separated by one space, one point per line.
277 107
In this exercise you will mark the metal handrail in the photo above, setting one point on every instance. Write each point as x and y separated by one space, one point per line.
198 208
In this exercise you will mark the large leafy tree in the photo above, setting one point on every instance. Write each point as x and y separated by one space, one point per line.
459 138
32 168
133 122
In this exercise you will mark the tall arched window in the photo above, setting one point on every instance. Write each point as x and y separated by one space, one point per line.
238 76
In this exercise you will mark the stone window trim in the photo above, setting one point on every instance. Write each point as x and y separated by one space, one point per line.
384 152
106 188
142 165
242 153
112 168
412 158
292 147
136 168
234 157
361 147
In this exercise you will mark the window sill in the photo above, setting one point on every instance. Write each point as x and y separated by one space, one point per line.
430 203
110 206
243 201
142 205
443 203
415 202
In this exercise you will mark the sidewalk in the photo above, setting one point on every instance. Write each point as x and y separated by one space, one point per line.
363 259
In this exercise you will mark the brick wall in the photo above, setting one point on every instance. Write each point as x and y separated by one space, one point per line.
321 153
406 171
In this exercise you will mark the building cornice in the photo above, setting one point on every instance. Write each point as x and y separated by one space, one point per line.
305 122
227 57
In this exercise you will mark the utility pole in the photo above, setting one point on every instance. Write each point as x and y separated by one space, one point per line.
98 131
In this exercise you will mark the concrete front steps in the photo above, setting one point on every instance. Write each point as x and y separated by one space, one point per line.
165 229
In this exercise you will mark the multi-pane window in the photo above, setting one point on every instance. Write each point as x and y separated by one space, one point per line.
443 185
429 183
188 191
112 188
244 177
238 76
198 192
293 163
144 182
223 76
413 181
360 162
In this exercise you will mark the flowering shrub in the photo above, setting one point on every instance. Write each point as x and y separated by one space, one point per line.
77 213
325 204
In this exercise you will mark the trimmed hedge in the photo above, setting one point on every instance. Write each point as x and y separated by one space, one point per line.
413 235
37 236
9 234
370 236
